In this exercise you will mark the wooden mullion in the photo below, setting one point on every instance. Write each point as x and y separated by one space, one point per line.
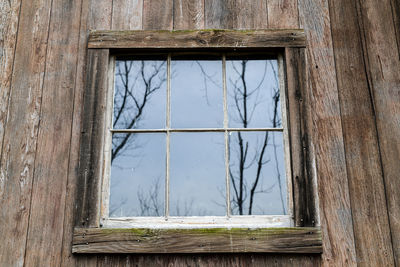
303 189
92 139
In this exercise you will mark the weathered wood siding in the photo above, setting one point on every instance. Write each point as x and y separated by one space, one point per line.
354 87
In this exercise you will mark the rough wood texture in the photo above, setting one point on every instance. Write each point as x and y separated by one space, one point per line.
396 20
73 164
95 14
91 151
282 240
53 145
20 136
127 14
371 225
282 14
383 67
251 14
303 189
378 27
334 198
158 14
219 14
9 16
207 260
188 14
197 39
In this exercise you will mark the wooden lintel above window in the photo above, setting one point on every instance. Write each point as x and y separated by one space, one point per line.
197 39
214 240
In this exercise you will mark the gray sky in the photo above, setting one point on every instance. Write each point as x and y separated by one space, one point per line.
197 169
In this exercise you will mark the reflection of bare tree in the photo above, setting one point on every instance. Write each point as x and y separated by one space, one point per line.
245 188
149 202
115 207
137 81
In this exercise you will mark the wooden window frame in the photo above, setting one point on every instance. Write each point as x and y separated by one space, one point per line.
91 237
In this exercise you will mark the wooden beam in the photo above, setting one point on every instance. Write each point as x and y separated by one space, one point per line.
215 240
197 39
92 136
298 103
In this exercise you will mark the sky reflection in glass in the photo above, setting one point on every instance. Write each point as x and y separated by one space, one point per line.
138 176
196 94
253 88
257 159
140 94
197 184
197 164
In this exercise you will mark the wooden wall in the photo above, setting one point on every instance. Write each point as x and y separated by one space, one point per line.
354 80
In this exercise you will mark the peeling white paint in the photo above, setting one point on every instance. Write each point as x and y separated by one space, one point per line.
198 222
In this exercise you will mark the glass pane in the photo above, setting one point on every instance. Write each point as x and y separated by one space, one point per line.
196 94
197 174
253 93
137 175
140 94
257 173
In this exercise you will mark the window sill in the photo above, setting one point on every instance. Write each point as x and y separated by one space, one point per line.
203 240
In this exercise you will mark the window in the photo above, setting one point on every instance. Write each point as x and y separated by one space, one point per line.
218 136
196 138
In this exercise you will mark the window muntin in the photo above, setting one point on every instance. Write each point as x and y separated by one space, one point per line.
217 78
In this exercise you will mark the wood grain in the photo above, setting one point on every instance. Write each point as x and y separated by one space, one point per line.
303 184
9 17
219 14
207 260
196 39
251 14
127 14
95 14
365 152
188 14
334 198
282 240
52 151
20 136
396 20
283 14
371 223
381 55
93 128
158 14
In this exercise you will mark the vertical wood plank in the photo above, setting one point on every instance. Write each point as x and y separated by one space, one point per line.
383 68
334 198
188 14
371 222
283 14
95 14
71 198
396 20
157 14
9 17
300 144
91 150
45 231
220 259
220 14
251 14
54 137
127 15
20 136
